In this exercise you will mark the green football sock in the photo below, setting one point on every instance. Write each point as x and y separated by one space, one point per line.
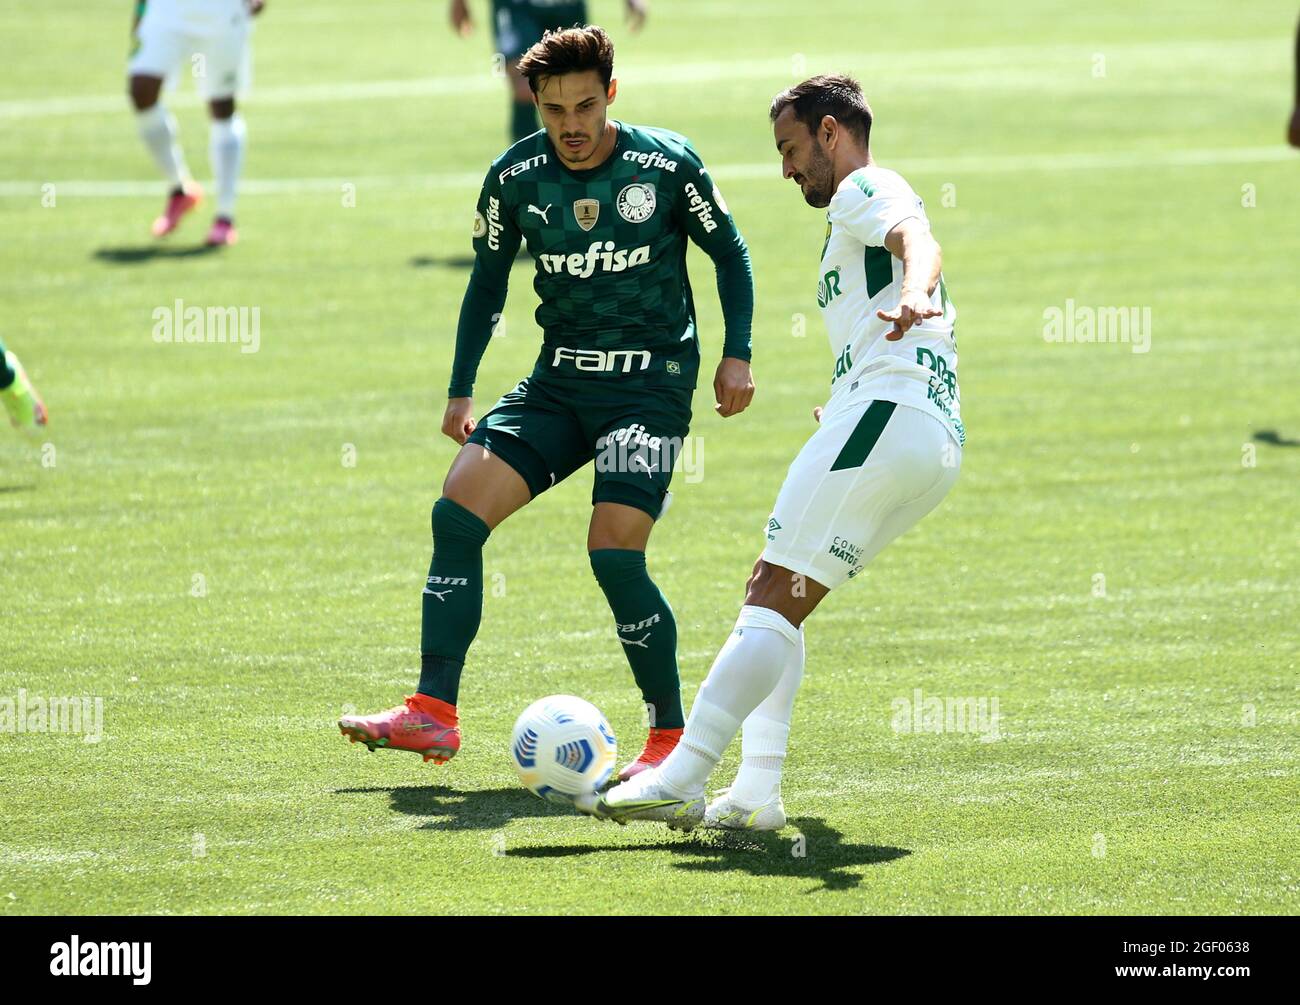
646 628
523 120
453 599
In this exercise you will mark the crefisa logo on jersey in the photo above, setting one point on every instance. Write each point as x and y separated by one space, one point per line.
700 207
603 256
650 159
493 224
636 203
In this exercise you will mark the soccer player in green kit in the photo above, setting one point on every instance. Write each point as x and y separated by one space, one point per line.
519 24
606 209
22 404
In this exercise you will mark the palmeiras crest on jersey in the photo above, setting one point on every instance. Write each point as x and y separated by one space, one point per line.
636 202
586 212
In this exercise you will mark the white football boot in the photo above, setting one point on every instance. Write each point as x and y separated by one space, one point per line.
645 797
726 814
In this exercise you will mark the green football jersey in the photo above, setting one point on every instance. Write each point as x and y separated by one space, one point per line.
609 251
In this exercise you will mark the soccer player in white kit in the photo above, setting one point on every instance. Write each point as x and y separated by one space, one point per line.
210 39
886 453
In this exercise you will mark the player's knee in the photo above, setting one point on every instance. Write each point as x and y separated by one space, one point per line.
222 108
456 527
611 565
772 586
143 92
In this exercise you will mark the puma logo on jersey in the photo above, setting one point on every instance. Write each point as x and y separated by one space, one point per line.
829 287
636 642
541 212
440 594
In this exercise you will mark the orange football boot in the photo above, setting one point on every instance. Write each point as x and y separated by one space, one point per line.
659 745
424 725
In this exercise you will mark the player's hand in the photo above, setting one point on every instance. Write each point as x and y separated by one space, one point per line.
458 421
636 12
733 386
817 412
461 22
255 7
913 307
1293 130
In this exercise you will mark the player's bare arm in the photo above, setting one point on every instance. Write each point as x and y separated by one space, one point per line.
922 258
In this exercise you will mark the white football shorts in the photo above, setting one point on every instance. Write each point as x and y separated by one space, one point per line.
206 39
870 472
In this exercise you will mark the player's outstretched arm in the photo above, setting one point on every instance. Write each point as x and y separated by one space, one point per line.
922 258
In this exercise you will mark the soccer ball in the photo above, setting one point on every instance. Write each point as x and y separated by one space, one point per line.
563 747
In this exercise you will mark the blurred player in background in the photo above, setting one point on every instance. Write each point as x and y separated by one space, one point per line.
516 26
210 39
22 403
1293 127
886 453
607 209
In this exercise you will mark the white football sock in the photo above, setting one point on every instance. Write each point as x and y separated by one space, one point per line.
226 150
765 734
158 129
745 672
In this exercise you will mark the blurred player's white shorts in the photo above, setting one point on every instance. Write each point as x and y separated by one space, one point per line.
870 472
208 40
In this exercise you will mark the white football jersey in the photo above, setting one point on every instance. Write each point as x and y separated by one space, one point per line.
859 276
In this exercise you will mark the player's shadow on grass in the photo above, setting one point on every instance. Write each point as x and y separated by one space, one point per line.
148 252
455 261
460 810
811 850
449 262
1271 437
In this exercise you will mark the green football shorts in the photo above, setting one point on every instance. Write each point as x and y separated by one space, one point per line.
546 429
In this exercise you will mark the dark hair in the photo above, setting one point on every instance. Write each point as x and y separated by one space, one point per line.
832 94
569 50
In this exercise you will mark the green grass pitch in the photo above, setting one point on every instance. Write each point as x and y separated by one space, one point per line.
228 548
